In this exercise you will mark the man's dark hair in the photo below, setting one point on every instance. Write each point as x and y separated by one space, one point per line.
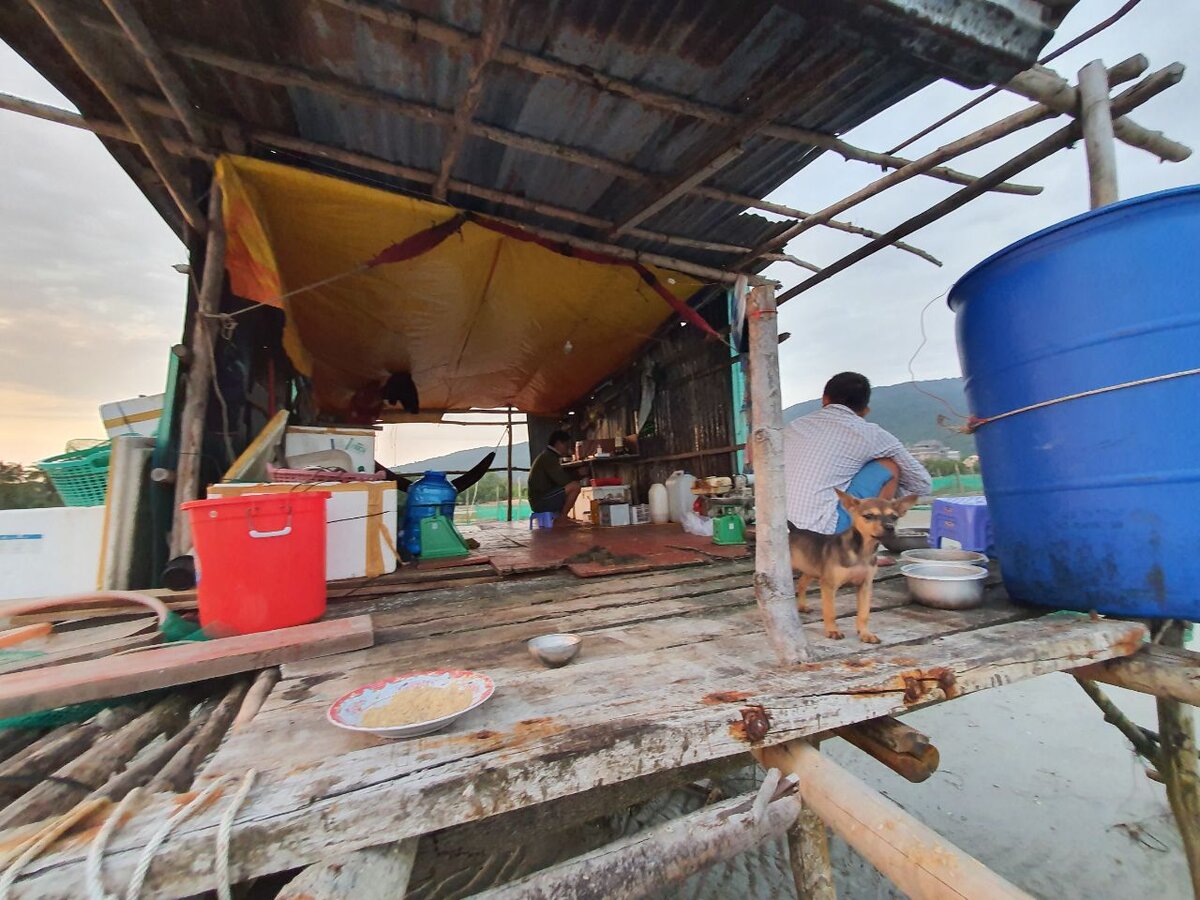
849 389
556 436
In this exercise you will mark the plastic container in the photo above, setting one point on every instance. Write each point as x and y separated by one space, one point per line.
261 560
679 494
659 505
80 476
433 495
1093 500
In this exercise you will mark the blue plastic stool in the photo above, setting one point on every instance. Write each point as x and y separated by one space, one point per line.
964 520
542 520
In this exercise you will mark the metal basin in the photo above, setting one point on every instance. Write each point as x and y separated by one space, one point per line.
945 586
958 557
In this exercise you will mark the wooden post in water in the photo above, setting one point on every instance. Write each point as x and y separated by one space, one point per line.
773 569
1099 140
199 374
510 465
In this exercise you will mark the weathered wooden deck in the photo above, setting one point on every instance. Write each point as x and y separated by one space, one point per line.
669 661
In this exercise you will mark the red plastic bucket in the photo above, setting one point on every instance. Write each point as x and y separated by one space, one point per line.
260 560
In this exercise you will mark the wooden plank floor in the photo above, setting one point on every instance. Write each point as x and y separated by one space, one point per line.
669 660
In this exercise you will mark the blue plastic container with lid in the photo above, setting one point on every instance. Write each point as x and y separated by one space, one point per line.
432 495
1095 501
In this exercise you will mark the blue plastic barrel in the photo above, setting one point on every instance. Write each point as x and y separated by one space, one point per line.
432 495
1095 502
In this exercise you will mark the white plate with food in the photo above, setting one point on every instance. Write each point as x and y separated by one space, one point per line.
413 704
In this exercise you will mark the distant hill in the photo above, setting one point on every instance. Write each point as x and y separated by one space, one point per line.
910 414
900 408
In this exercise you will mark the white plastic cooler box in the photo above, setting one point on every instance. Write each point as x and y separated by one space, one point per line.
358 442
360 530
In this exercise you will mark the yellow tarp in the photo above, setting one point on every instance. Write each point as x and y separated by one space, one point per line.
481 320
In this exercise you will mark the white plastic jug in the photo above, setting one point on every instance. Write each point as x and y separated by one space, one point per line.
679 494
659 504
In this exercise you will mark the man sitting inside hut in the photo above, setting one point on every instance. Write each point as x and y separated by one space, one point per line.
551 489
835 447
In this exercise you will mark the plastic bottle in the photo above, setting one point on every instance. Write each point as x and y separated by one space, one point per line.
659 505
679 494
433 495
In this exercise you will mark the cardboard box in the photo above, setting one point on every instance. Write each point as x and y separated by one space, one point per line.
360 531
358 442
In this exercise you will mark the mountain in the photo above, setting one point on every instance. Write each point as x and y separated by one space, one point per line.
909 412
906 410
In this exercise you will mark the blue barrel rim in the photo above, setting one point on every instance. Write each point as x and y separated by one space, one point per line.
1119 206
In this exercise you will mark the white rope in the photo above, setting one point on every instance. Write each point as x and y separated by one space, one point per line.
95 858
224 832
45 838
156 840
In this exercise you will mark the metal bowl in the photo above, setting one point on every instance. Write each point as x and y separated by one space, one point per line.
958 557
945 586
554 650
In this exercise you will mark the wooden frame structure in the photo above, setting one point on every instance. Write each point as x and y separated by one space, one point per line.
783 685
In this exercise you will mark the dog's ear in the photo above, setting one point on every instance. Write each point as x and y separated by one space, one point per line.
904 504
850 503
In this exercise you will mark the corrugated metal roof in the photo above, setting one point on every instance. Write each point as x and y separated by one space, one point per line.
840 62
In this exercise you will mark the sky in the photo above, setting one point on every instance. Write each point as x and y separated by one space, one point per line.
90 306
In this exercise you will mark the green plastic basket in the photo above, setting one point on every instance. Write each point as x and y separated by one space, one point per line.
79 476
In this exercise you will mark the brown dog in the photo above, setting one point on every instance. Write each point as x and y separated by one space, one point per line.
835 560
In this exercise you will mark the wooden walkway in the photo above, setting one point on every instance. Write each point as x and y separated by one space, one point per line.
669 661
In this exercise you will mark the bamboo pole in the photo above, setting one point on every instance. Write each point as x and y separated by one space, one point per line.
1051 89
495 13
449 35
156 61
1130 68
917 860
79 46
772 568
646 863
1129 99
1179 764
1096 119
199 374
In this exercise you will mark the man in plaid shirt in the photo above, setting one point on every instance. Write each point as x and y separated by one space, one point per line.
835 447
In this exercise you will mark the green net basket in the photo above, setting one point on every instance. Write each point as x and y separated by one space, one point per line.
79 476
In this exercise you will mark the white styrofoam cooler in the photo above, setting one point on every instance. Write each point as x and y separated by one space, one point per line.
358 442
360 531
139 416
49 552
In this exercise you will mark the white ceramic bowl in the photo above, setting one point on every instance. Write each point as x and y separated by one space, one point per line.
555 650
348 710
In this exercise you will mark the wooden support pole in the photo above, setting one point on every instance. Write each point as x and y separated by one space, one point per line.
773 568
904 750
1096 119
1113 716
199 374
377 873
917 860
1179 764
64 23
156 61
1149 87
644 864
510 464
1170 672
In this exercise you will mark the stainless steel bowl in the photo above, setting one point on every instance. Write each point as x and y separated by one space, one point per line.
958 557
554 650
945 586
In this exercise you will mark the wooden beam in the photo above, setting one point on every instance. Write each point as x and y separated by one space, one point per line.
916 766
773 568
377 873
1130 68
175 664
681 186
64 23
1179 763
199 374
1170 672
1101 147
1129 99
156 61
648 862
917 860
1051 89
449 35
495 15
